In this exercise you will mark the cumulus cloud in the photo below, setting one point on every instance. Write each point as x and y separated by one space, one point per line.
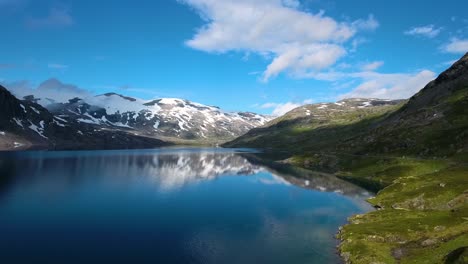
456 46
279 109
389 86
58 17
429 31
297 41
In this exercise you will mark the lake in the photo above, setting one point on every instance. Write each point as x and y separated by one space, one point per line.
174 205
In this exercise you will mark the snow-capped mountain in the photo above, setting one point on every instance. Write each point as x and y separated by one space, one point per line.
166 117
62 116
25 124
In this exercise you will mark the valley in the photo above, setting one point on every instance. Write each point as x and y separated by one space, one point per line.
413 153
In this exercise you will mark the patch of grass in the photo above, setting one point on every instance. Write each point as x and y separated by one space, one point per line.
443 189
423 218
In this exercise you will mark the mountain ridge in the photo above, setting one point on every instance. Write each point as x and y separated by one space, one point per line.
50 124
27 125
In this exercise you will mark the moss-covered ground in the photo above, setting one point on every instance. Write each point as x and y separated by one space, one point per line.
422 216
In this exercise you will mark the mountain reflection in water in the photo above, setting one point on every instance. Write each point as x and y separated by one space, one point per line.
168 169
168 205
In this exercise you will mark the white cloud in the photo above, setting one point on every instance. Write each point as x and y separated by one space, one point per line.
369 24
315 56
280 109
456 46
372 66
51 88
297 40
389 86
57 18
429 31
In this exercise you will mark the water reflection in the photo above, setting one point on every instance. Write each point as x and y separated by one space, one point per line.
168 206
167 169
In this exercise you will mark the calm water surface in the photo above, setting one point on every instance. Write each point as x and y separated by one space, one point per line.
167 206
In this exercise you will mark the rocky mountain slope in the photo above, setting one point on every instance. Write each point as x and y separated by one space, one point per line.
169 118
26 125
414 153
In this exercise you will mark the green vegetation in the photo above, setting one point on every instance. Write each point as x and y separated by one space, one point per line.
422 217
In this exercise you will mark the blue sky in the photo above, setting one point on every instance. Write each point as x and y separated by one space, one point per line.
266 56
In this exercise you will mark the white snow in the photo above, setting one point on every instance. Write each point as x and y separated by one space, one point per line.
35 110
322 106
24 108
92 120
171 101
120 124
87 121
116 104
38 130
17 144
18 122
156 125
365 104
321 188
60 119
58 123
2 133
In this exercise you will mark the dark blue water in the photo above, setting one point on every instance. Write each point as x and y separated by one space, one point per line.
167 206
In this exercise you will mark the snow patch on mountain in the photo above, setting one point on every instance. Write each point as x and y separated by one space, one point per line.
38 129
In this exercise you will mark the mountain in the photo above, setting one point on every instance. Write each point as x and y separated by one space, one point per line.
315 126
112 121
167 118
414 153
26 124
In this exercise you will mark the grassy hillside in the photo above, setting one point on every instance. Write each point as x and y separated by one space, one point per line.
313 127
415 153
